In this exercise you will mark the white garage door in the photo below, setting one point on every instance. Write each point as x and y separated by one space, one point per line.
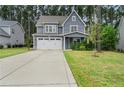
49 43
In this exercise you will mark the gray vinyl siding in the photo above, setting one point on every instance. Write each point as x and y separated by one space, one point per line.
40 29
4 40
70 22
18 35
59 30
121 35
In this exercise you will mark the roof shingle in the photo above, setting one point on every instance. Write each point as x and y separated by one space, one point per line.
51 19
7 23
3 33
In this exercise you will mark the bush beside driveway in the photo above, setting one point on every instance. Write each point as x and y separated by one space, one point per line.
105 70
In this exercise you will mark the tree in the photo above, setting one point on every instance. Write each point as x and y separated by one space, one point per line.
4 12
97 11
93 37
109 37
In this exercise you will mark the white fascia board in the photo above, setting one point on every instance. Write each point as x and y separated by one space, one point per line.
50 22
38 25
75 32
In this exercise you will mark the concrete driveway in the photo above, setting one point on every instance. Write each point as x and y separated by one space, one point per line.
36 68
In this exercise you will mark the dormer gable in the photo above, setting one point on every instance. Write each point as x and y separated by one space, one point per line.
73 16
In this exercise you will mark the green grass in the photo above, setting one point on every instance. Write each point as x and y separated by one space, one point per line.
105 70
11 51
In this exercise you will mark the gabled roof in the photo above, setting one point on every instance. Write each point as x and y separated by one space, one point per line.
77 15
51 19
3 33
7 23
56 19
10 23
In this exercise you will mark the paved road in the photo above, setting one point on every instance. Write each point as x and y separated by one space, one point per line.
36 68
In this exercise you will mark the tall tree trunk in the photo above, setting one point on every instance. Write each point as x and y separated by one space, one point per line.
98 21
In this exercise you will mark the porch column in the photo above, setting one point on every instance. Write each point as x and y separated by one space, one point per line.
64 44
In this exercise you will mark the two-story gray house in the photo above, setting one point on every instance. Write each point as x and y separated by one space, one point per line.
11 33
59 32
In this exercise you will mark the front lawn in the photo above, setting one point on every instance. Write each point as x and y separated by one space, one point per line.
11 51
105 70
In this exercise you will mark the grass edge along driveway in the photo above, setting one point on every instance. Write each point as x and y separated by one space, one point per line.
11 51
89 71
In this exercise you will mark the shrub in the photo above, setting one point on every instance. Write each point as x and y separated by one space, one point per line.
88 45
8 45
82 47
1 46
24 45
78 46
14 46
31 46
72 46
109 38
20 45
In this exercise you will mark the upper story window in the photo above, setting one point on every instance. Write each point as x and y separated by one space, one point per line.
73 18
73 28
50 28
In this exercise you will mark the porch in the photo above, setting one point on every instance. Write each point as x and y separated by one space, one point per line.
72 38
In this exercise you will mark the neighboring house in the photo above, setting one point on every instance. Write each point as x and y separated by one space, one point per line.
11 33
59 32
120 45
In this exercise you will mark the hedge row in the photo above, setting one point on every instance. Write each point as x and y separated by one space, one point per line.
12 46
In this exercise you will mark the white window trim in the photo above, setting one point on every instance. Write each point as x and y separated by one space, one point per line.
45 28
52 28
71 27
73 18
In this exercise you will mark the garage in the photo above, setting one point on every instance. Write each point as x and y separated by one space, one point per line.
49 43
